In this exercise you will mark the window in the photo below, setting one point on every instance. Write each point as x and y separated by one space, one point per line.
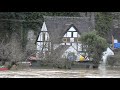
69 34
71 39
74 34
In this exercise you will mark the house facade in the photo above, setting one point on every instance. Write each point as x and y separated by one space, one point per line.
61 35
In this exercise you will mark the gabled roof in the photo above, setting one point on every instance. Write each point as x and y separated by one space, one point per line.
58 25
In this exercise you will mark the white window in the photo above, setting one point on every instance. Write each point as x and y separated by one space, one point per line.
69 34
74 34
44 36
71 39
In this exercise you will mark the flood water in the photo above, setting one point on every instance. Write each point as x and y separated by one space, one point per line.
101 72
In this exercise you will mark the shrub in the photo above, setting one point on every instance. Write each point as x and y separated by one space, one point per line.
58 63
114 60
94 45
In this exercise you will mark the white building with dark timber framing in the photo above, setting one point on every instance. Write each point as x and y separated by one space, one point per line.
61 35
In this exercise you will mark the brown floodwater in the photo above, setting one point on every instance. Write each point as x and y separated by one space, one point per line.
101 72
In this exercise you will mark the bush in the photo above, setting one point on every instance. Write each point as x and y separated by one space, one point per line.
114 60
58 63
94 45
62 63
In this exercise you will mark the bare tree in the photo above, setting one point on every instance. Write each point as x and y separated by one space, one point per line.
16 49
5 51
11 51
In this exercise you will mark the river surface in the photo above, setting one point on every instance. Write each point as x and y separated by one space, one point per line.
101 72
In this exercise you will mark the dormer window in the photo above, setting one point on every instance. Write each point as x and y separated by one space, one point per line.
72 38
75 34
71 35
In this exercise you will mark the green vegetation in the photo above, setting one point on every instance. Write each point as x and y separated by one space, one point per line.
103 21
115 59
21 22
94 45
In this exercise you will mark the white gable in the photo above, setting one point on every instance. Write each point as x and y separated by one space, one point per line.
44 28
72 33
43 38
44 32
72 29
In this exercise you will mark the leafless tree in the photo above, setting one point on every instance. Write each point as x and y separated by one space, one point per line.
12 50
16 49
5 51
